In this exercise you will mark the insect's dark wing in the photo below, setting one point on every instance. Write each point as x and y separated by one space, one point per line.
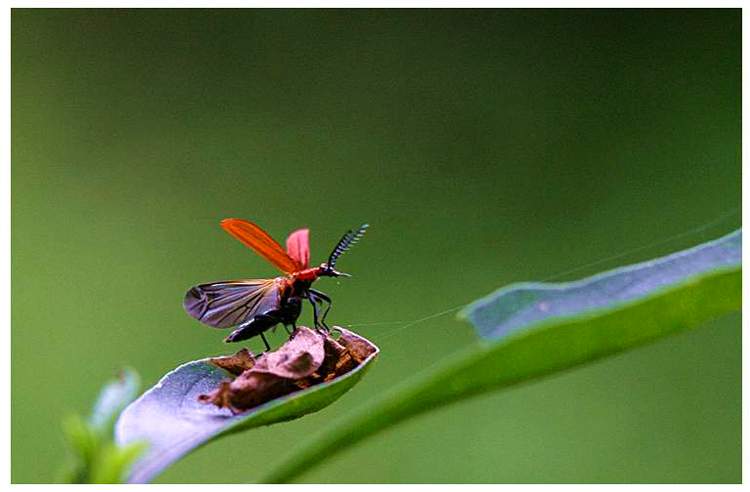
225 304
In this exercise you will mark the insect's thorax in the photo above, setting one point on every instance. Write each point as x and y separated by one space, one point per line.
300 282
307 275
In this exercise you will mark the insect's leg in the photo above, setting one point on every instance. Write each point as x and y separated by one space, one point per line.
314 303
268 347
324 298
290 329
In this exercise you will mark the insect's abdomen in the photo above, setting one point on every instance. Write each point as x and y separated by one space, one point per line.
287 314
258 325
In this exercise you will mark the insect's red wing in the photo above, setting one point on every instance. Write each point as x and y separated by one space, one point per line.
225 304
256 238
298 247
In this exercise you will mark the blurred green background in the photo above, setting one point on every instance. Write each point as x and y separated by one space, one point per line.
483 147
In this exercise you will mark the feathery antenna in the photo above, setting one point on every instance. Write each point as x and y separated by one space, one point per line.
346 242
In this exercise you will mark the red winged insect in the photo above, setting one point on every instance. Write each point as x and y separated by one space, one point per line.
256 305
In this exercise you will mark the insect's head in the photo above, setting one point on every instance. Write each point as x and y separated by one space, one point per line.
327 269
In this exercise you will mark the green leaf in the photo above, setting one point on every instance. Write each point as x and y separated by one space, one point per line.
95 458
114 461
84 442
532 330
517 307
171 420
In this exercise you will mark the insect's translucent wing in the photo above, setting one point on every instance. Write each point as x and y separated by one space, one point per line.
298 247
225 304
256 238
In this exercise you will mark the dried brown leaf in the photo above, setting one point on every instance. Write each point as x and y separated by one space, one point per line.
236 363
308 358
299 357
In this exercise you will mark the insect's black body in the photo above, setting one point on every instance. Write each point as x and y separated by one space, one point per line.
286 313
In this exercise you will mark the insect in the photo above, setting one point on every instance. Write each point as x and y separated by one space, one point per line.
256 305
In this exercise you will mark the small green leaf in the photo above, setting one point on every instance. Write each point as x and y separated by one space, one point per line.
172 421
532 330
84 443
113 462
95 457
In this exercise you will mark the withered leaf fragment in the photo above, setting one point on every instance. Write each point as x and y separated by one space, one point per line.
308 358
236 363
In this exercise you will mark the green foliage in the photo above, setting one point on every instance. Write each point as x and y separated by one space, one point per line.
96 459
549 328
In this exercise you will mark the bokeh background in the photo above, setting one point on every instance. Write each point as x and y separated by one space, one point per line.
483 147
